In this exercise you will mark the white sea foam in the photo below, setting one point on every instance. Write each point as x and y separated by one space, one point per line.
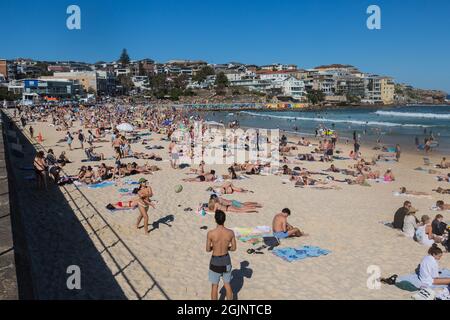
413 114
365 123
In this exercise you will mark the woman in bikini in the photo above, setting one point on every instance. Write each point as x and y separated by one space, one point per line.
235 203
214 205
228 188
143 202
40 170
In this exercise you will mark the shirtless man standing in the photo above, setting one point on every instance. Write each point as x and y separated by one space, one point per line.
282 229
220 241
173 154
117 142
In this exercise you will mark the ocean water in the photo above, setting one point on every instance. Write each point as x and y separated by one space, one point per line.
394 125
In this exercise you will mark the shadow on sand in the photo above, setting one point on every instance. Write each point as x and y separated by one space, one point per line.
51 238
237 280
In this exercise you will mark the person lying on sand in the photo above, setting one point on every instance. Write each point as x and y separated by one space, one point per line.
214 205
286 150
132 204
444 178
413 193
227 188
208 177
332 168
308 157
235 203
282 229
142 155
359 180
306 181
442 206
442 190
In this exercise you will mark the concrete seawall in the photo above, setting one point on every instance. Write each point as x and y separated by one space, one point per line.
15 267
8 279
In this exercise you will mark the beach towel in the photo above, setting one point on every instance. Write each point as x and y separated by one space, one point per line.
112 211
130 182
294 254
100 185
435 208
248 233
398 194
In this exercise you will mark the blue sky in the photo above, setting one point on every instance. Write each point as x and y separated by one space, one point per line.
413 45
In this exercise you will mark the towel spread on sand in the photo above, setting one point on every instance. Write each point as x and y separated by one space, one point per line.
294 254
248 233
435 208
122 209
130 182
398 194
100 185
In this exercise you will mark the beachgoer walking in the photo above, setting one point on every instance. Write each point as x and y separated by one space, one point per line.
81 139
69 140
398 152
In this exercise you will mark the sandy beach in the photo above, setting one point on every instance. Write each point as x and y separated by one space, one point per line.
345 221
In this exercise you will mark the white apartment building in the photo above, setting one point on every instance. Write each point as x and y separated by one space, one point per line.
275 75
294 88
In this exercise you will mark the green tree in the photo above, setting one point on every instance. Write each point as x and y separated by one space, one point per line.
126 82
124 58
221 80
221 83
7 95
201 75
315 96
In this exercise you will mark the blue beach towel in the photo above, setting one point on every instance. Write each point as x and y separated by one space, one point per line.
130 182
294 254
101 185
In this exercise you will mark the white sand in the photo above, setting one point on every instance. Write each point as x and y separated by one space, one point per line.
344 221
